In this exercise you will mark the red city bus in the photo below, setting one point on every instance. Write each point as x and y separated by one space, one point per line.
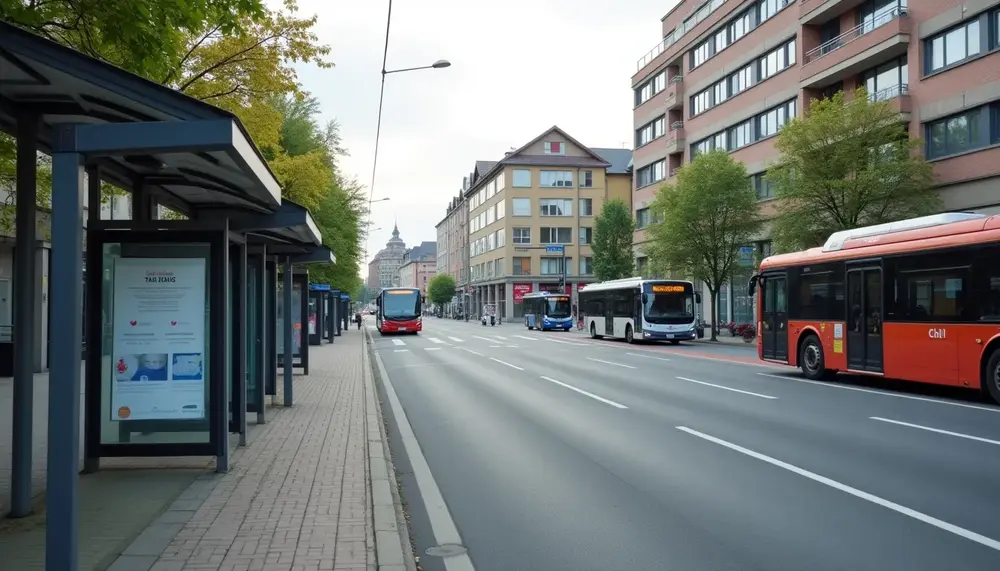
916 300
398 310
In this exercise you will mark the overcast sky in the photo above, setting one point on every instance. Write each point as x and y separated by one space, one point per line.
518 67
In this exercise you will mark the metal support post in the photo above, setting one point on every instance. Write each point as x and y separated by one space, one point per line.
24 316
61 540
287 324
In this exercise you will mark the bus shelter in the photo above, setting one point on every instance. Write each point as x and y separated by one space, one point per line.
332 317
319 312
345 310
175 309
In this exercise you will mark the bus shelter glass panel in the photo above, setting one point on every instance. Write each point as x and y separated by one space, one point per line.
296 316
154 348
255 292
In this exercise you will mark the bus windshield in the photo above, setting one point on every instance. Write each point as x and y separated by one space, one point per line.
401 305
558 307
669 307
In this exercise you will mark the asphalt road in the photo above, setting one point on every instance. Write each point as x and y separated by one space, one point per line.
552 452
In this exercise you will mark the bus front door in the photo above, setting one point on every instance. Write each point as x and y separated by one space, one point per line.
774 318
864 320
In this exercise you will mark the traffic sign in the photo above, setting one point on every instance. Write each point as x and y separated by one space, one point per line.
554 249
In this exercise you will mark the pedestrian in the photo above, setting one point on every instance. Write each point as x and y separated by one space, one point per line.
357 318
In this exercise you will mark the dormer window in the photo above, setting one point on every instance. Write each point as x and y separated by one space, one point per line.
555 148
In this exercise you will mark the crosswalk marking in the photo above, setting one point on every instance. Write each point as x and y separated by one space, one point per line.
500 337
402 351
484 338
438 341
432 348
398 342
455 339
526 337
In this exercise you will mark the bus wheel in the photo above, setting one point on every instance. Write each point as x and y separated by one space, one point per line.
593 331
991 377
629 338
811 359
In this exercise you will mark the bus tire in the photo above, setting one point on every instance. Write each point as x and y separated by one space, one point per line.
593 332
991 376
629 336
811 359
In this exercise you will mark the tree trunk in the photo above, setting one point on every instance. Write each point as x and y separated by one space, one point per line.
713 294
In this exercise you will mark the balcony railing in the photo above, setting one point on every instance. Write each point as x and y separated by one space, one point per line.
890 92
678 33
854 33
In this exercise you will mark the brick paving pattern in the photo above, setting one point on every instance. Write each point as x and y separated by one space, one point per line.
297 497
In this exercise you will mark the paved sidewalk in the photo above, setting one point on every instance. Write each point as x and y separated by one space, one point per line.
297 497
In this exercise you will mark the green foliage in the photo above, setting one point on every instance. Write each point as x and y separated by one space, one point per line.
441 289
612 243
848 164
706 216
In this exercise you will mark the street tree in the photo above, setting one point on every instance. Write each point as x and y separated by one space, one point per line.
612 241
706 216
441 289
848 164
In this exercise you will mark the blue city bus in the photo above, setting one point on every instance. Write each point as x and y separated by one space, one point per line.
544 310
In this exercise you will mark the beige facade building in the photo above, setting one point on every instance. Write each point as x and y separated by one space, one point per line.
531 218
453 245
419 265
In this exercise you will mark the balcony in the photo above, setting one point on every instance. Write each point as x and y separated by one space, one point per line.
862 47
815 12
675 93
899 96
677 34
675 138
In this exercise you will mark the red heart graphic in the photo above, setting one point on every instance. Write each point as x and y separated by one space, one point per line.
132 323
173 323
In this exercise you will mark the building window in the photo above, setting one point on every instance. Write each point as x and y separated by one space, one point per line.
776 61
521 206
522 178
952 47
650 131
586 207
764 188
700 54
741 135
490 215
641 218
553 266
741 80
522 266
555 148
959 133
647 90
701 102
555 206
501 238
586 179
586 266
556 179
768 8
501 209
521 235
749 131
586 235
888 80
741 26
640 265
719 92
552 235
650 174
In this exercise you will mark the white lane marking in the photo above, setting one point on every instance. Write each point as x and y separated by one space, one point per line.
471 351
647 356
401 351
566 342
585 393
937 430
727 388
506 363
442 524
883 393
526 337
398 342
484 338
610 363
438 341
455 339
432 348
500 337
943 525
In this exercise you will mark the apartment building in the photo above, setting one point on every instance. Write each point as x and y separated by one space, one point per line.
729 73
537 200
419 265
453 243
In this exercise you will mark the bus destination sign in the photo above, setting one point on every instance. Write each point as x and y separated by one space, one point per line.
668 289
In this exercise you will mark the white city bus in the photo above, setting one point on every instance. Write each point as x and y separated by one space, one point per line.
635 309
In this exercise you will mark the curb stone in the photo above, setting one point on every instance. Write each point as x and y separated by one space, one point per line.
392 536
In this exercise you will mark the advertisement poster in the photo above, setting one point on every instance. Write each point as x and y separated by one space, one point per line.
159 339
279 325
521 290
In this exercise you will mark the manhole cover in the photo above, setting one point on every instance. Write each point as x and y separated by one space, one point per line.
446 550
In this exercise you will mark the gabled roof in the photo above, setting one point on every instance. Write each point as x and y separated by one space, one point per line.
592 160
421 253
620 159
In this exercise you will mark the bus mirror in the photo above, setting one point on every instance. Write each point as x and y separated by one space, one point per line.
752 285
697 298
645 298
378 301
